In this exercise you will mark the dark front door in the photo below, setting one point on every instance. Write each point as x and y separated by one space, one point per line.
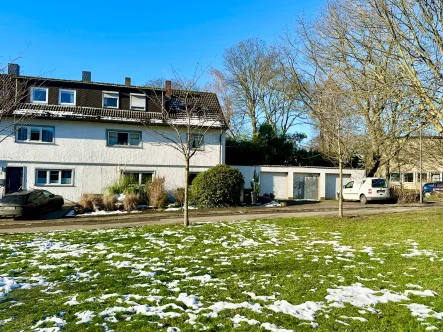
14 179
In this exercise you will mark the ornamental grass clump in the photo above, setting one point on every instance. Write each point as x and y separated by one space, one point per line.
91 202
157 194
130 202
109 202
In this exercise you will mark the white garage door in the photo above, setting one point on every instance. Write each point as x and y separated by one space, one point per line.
275 182
333 184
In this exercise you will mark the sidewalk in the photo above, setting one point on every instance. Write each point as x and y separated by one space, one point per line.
170 218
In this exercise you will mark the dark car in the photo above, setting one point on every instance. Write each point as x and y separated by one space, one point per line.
29 203
433 187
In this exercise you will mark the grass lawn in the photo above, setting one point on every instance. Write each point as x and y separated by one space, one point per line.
373 273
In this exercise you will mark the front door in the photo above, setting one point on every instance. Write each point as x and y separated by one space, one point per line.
14 179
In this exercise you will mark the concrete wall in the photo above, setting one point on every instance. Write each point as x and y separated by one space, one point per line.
289 171
82 147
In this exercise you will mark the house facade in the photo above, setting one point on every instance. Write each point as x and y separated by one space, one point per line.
78 137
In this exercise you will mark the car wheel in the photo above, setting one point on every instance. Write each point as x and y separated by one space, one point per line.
363 199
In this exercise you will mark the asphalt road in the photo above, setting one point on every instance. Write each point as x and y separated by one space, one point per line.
171 218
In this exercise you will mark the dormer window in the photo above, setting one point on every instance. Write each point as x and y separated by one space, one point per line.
138 102
66 97
39 95
110 99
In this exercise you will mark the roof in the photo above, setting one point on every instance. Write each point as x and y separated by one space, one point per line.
205 106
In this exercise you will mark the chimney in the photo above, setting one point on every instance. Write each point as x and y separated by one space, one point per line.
168 88
13 69
86 76
127 81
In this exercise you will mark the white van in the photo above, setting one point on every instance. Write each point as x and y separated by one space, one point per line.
369 189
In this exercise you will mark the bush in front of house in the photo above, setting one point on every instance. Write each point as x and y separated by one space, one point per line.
220 186
130 202
402 195
179 195
109 202
157 193
91 202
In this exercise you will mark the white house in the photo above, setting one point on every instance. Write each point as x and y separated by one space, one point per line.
81 136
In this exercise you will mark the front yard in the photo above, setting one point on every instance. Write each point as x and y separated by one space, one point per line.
380 272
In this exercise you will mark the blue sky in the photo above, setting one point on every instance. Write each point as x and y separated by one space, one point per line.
142 40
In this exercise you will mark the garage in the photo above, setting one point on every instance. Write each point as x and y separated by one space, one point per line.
276 182
333 184
306 186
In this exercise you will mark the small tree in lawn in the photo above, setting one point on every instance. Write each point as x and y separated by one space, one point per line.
189 115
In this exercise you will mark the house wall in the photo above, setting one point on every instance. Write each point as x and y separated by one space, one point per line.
82 147
290 172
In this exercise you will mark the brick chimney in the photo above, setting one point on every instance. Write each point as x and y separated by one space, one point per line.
168 88
13 69
86 76
127 81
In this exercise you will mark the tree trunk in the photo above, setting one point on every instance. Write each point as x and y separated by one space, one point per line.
340 196
185 207
375 165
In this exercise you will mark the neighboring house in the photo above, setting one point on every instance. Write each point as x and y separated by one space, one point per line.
81 136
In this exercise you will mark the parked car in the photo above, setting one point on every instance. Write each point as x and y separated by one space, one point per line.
369 189
433 187
29 203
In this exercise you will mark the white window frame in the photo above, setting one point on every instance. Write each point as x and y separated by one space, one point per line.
48 174
140 174
28 136
118 99
137 95
202 144
39 101
60 97
129 132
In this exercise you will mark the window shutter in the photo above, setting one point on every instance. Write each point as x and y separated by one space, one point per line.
138 102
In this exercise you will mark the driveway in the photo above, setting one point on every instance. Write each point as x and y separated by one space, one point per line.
162 218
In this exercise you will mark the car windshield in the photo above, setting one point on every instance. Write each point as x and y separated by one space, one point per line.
379 183
14 199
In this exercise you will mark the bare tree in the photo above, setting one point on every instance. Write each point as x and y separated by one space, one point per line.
348 37
188 115
416 29
13 91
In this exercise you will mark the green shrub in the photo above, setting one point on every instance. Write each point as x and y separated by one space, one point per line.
219 186
157 193
128 185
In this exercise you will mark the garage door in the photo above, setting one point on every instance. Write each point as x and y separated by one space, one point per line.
275 182
306 186
333 184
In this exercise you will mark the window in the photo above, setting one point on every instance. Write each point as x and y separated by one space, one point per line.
379 183
139 178
35 134
54 177
138 102
67 97
395 177
110 99
39 95
435 176
196 141
408 177
349 185
191 178
424 177
124 138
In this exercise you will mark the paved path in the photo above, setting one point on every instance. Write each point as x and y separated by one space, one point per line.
171 219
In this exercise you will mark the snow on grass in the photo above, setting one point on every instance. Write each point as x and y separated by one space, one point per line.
217 276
